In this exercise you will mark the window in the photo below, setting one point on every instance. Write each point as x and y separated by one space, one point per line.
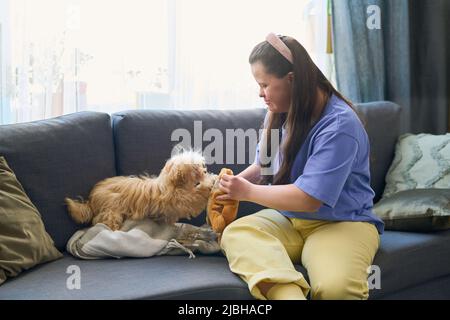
64 56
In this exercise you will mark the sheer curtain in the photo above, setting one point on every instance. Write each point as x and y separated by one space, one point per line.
72 55
212 48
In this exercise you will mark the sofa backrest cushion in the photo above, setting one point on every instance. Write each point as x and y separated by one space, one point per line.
382 123
58 158
143 139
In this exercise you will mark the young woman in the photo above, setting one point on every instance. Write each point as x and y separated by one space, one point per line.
320 196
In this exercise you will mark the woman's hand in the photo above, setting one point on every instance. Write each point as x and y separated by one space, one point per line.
236 188
280 197
252 173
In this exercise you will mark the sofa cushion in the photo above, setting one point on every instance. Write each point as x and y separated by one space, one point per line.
382 123
143 140
56 158
24 242
435 289
405 259
143 137
162 277
409 259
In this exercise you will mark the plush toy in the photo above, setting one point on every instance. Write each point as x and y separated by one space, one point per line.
220 213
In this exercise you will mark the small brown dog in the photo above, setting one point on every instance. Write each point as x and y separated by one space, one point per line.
181 190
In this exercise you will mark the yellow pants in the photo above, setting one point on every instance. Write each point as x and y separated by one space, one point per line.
263 247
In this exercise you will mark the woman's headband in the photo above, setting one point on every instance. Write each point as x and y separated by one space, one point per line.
280 46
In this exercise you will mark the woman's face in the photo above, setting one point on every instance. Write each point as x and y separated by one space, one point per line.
276 92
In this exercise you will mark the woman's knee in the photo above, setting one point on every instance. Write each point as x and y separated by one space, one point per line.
236 231
229 234
267 220
339 288
247 228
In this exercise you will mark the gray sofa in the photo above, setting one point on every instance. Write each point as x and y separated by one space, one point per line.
66 156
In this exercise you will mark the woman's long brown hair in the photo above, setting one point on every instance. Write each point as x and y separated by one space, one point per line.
298 120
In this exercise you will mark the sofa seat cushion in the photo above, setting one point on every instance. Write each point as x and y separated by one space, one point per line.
409 259
406 260
163 277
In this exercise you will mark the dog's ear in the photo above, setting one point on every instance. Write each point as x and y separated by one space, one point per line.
180 178
179 175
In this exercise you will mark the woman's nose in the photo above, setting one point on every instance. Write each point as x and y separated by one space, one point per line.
261 93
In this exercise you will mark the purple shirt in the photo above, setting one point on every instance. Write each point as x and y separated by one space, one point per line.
333 166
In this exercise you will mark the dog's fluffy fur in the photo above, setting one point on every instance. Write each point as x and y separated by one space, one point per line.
180 191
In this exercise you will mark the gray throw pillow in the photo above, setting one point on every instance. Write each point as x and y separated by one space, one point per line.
416 210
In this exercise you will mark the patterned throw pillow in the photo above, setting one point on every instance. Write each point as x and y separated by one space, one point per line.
421 162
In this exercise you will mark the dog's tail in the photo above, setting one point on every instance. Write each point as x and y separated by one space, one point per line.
79 211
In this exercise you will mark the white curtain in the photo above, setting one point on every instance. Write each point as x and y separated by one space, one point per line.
72 55
215 38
